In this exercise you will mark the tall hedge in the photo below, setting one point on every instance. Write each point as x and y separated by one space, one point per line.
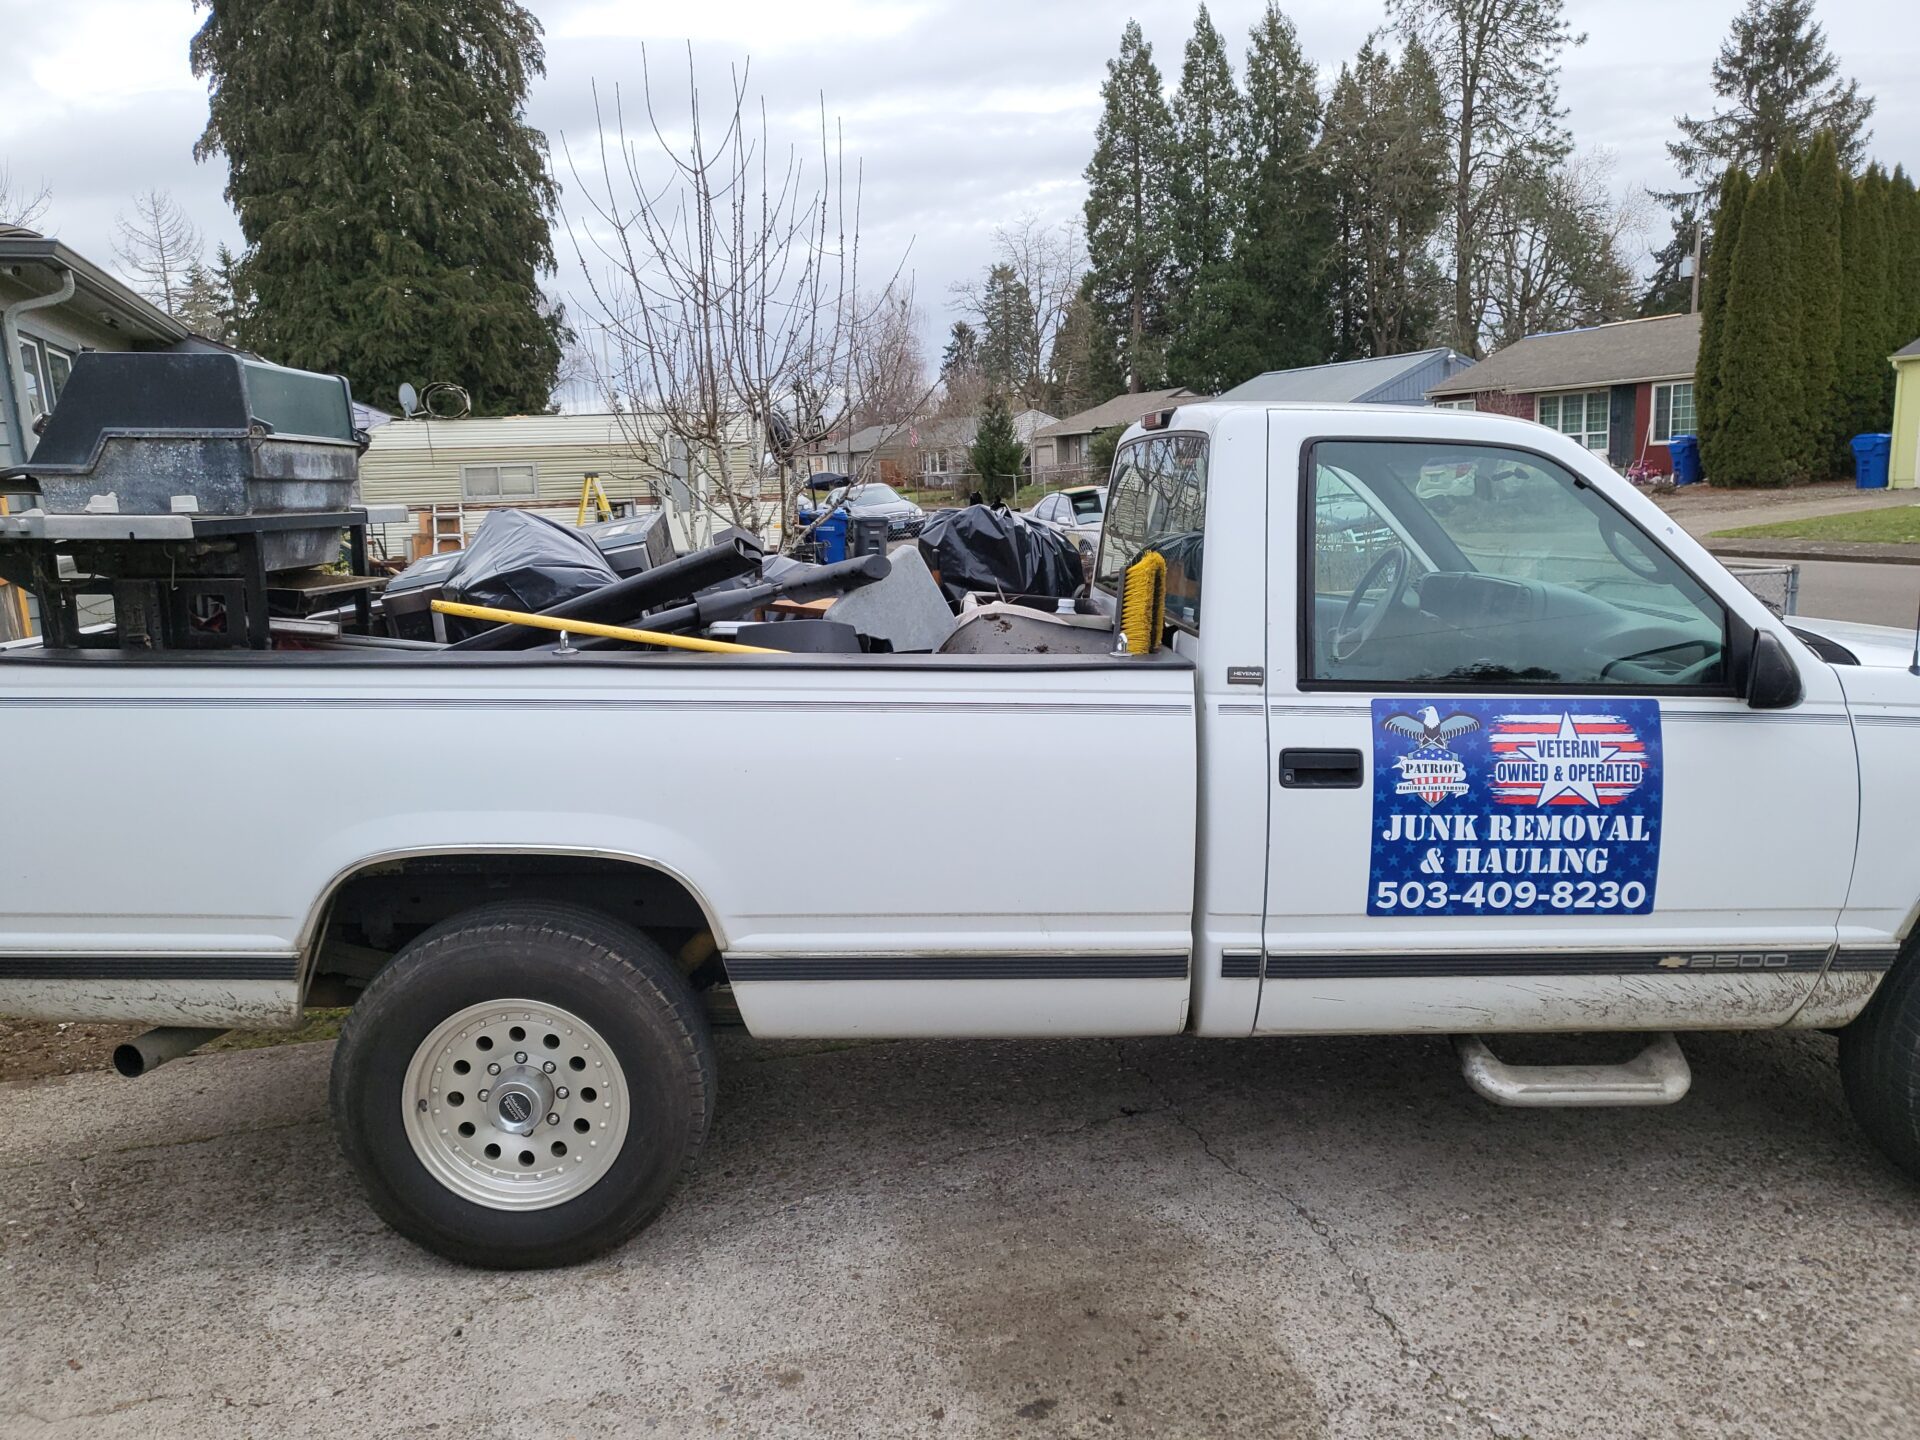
1734 188
1758 436
1817 269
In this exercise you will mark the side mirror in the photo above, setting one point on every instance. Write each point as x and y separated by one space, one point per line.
1773 682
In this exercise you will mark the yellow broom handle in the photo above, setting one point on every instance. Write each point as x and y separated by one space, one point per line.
591 627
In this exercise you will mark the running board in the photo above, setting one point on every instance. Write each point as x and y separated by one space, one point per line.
1658 1075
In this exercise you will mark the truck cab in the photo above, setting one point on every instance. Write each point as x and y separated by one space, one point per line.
1486 741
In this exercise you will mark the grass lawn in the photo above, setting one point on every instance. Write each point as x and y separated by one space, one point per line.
1885 525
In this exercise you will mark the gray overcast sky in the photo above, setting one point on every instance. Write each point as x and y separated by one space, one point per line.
964 115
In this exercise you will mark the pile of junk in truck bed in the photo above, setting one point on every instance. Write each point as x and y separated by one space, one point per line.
212 498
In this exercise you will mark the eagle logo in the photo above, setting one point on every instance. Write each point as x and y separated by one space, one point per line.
1429 729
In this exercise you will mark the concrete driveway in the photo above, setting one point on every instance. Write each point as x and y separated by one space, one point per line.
1090 1239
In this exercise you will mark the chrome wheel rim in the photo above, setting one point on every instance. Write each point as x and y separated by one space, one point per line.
515 1105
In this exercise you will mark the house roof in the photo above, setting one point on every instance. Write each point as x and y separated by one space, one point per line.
1121 410
1344 382
1663 347
122 308
1907 351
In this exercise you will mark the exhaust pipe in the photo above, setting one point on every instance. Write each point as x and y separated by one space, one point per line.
156 1047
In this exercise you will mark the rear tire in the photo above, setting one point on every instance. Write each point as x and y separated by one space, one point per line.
1880 1066
563 996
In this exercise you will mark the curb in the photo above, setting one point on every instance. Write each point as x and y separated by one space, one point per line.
1857 552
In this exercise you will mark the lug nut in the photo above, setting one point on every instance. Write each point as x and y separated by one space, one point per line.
519 1057
561 1092
494 1068
548 1067
483 1096
553 1119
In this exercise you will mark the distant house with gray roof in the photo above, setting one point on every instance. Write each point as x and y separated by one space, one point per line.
1376 380
1064 442
1624 389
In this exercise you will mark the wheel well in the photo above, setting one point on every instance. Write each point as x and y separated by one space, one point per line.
378 909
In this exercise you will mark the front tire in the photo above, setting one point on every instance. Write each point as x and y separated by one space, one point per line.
1880 1066
524 1085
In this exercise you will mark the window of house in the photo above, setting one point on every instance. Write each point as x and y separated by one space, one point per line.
1673 411
1158 501
1581 414
933 463
1466 404
38 399
1515 573
498 482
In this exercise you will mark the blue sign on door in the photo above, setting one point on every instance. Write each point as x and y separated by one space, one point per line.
1515 807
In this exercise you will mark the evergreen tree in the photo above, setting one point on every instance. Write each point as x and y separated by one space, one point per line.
394 201
1714 286
203 307
962 355
1903 260
1756 438
1268 307
1006 334
1790 285
1127 210
1819 275
996 454
1781 86
1863 274
1877 200
1670 289
1383 155
1203 190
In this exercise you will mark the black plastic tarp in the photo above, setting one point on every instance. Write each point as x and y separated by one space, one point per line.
995 551
518 560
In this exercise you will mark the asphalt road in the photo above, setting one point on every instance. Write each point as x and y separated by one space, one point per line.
1317 1238
1876 594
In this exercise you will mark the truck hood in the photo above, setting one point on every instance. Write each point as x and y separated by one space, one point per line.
1877 645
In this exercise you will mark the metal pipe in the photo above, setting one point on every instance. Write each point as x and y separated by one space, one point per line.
834 579
16 377
605 632
626 599
156 1047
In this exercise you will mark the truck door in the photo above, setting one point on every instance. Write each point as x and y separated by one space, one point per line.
1513 785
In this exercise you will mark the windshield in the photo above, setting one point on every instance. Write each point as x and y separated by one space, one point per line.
868 496
1088 504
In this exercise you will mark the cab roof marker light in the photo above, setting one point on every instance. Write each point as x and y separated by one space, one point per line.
1156 420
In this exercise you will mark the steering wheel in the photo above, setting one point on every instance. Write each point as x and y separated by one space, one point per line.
1391 572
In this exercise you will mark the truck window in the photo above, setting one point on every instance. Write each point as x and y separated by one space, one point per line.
1157 500
1435 563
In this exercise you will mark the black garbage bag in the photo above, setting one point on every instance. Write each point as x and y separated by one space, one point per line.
518 560
981 548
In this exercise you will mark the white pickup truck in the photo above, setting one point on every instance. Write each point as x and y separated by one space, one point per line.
1452 731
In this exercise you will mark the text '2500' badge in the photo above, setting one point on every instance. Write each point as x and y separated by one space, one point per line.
1515 807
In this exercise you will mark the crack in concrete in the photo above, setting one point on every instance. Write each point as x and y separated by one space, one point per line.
1361 1282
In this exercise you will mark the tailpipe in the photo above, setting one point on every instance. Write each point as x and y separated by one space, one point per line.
156 1047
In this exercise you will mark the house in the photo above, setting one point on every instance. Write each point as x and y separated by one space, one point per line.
55 303
1063 444
451 473
925 453
1624 389
1904 467
1378 380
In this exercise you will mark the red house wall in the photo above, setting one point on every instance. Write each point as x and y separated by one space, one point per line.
1658 457
1499 402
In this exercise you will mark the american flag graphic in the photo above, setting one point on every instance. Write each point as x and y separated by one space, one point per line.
1565 759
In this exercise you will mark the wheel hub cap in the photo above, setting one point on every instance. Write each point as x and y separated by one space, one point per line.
515 1105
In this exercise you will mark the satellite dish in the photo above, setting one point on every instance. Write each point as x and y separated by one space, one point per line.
409 400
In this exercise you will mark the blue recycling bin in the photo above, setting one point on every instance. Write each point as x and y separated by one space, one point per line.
1685 450
831 536
1872 454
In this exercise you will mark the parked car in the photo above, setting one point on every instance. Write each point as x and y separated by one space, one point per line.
876 497
1479 764
1075 512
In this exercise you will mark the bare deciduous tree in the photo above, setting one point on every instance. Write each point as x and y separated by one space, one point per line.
159 247
20 205
723 273
1047 262
890 366
1557 247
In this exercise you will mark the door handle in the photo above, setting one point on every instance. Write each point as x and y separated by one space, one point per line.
1322 769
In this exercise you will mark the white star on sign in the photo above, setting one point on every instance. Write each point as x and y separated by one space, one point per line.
1582 789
